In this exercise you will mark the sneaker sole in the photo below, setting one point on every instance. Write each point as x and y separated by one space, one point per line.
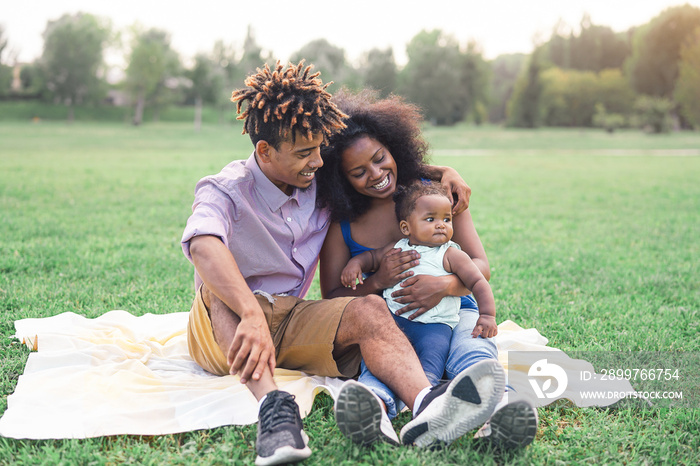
286 454
467 403
358 415
513 426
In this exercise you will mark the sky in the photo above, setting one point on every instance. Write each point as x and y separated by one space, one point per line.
284 26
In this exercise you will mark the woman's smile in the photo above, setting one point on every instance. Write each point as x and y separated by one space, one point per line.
383 184
370 168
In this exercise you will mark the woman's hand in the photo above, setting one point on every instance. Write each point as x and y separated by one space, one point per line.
421 293
456 188
394 267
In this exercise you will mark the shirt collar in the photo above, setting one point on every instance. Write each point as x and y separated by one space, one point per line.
273 196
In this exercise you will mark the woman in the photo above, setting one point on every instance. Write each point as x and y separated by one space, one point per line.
382 148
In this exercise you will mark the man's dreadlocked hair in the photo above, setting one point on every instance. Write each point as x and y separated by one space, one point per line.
284 102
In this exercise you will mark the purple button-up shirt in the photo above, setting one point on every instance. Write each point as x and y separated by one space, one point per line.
274 238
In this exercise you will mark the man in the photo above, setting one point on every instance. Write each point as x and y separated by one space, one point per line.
254 238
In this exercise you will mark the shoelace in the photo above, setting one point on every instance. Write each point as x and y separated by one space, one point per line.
282 409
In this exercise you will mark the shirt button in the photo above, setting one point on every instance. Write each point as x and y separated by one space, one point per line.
295 249
289 219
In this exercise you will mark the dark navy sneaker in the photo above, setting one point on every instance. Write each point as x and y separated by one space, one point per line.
453 408
281 436
513 425
360 417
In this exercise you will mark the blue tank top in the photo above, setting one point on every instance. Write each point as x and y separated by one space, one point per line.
354 247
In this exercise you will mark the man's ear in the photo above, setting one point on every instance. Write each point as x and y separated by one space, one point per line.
403 225
264 151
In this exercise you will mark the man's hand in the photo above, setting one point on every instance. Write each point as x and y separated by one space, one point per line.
251 349
485 326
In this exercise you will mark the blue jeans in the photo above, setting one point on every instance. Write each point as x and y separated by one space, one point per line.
463 352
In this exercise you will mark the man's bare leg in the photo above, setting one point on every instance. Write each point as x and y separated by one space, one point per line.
224 323
359 413
284 442
385 349
446 412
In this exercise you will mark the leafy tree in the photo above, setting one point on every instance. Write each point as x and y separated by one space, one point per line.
5 70
608 121
568 97
559 45
571 97
32 80
207 81
3 43
653 67
616 48
614 91
329 60
523 109
475 78
380 71
595 48
151 75
653 114
432 77
687 92
5 80
253 57
72 58
225 63
505 70
229 71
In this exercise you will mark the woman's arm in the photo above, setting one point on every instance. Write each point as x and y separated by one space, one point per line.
468 239
334 256
393 267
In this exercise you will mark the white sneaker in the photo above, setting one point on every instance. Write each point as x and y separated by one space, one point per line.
360 417
453 408
513 423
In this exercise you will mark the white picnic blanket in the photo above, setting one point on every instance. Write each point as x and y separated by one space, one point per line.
121 374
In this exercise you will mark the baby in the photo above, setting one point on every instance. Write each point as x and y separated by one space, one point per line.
425 218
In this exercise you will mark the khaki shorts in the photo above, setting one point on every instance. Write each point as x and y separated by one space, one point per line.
303 333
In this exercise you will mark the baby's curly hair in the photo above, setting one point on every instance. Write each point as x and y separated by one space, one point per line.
405 197
284 102
393 122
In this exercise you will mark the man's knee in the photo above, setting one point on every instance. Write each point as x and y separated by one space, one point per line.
369 317
369 309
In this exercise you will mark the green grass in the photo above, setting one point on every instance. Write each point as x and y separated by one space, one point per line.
596 250
30 110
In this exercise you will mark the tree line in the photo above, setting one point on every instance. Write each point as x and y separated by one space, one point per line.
648 76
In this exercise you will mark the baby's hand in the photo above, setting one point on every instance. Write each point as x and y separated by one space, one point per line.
486 327
351 275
